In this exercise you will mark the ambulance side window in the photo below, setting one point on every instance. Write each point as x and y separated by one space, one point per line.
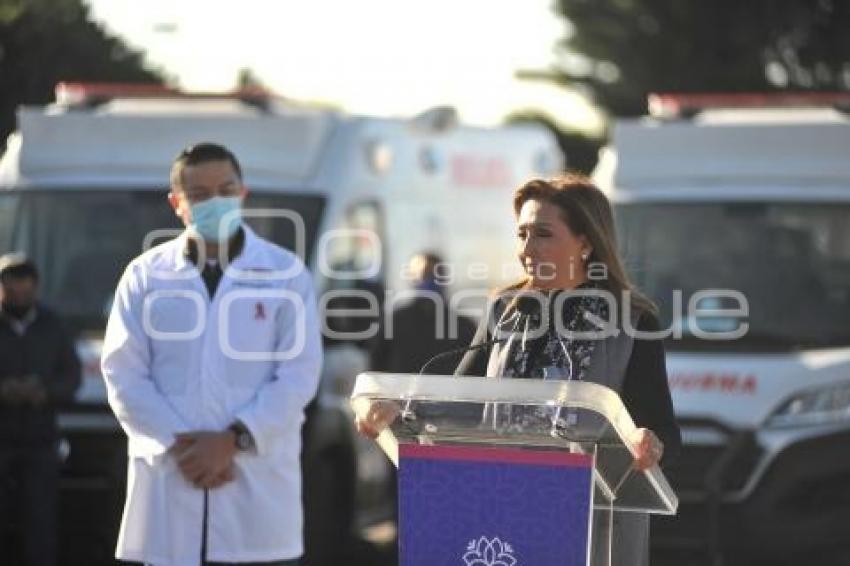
354 271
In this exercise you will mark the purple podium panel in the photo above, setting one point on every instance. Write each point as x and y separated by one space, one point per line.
482 506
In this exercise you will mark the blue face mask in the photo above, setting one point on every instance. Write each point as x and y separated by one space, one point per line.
209 215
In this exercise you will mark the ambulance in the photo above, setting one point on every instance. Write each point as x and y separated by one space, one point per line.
83 186
734 215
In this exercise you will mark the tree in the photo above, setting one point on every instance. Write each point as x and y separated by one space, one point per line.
247 79
621 50
45 41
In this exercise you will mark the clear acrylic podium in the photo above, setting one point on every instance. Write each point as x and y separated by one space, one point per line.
552 415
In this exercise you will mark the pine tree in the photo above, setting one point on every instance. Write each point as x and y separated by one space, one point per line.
621 50
43 42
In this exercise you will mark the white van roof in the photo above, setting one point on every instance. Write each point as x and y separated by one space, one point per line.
129 142
758 146
73 146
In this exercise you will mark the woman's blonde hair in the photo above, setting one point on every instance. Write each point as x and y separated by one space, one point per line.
586 211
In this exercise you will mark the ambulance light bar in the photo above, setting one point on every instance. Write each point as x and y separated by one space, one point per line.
672 105
89 95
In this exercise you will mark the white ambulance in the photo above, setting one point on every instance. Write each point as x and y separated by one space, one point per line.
82 191
734 213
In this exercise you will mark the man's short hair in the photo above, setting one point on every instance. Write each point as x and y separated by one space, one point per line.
17 265
201 153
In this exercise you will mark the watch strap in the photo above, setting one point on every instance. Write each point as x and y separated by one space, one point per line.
244 438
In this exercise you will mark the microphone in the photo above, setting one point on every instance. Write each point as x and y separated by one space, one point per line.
463 350
527 304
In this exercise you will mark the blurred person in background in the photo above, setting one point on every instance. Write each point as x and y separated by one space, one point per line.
423 327
39 369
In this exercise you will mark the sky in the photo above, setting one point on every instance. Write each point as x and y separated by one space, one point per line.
379 57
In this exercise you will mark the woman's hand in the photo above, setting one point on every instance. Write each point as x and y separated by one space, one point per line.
381 414
649 449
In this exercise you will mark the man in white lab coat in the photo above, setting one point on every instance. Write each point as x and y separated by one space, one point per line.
211 353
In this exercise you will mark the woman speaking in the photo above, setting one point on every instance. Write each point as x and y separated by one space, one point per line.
566 243
573 279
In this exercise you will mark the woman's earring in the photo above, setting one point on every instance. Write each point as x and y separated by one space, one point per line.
584 256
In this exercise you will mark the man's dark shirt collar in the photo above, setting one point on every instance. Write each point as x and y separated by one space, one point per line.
20 324
212 271
234 248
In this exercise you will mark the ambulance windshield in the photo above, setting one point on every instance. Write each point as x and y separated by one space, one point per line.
82 240
791 261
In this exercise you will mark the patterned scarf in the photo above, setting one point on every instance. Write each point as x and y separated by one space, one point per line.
551 356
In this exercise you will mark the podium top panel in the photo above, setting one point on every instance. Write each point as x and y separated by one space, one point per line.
450 388
538 414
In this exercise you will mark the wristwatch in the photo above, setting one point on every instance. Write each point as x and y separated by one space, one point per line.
244 438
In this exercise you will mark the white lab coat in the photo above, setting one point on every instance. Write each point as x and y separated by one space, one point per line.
173 362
